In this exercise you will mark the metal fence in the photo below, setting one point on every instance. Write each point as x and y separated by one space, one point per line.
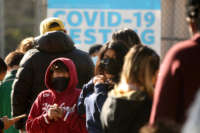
174 26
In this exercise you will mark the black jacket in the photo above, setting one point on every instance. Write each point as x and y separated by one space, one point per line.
123 115
30 76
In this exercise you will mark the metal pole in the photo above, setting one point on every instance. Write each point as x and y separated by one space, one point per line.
2 41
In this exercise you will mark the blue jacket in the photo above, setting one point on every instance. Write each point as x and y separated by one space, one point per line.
90 102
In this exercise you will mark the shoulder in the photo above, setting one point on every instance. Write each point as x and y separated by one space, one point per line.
101 97
179 54
77 91
29 56
88 86
81 53
6 83
181 48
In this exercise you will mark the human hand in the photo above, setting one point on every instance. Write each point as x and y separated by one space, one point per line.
9 122
99 79
55 112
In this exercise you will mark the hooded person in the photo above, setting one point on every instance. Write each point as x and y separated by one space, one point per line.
54 110
30 76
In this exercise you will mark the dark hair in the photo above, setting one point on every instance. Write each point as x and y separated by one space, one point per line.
193 11
59 66
120 51
13 58
127 35
3 67
95 48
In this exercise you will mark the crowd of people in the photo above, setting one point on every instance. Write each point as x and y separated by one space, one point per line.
48 85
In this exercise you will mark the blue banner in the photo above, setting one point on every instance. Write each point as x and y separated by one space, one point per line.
106 4
90 22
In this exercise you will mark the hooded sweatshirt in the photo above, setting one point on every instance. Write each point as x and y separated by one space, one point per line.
125 112
38 121
29 80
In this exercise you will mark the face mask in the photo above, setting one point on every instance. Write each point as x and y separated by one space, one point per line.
110 66
94 59
60 83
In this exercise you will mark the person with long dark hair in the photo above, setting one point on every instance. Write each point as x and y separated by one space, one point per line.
94 93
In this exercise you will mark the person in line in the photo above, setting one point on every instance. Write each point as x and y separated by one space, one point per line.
128 105
6 123
94 93
55 110
3 69
178 79
12 61
52 43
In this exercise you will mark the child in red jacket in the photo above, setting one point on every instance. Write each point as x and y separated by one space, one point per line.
54 110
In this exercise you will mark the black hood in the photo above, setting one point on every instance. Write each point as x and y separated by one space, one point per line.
54 42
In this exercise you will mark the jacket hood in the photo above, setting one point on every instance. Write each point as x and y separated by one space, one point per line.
54 42
118 108
128 92
130 95
72 74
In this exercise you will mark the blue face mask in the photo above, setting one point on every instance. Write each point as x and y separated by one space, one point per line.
94 59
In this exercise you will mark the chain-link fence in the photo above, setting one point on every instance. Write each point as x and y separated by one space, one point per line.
174 26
